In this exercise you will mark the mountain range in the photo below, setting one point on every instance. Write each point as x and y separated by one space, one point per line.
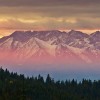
46 46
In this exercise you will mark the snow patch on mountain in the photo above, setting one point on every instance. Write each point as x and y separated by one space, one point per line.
79 52
45 46
6 45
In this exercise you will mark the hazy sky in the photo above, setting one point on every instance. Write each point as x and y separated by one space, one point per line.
49 15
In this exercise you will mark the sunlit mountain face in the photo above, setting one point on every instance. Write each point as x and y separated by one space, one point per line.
51 51
50 47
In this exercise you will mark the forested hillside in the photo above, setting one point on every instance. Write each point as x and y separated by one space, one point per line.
19 87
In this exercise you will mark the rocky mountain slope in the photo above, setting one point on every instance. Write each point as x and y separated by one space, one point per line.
72 46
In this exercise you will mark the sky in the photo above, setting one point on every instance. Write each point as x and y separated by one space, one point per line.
49 15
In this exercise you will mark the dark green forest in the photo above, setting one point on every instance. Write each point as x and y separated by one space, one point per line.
18 87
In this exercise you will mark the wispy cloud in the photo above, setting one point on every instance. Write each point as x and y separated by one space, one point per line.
49 14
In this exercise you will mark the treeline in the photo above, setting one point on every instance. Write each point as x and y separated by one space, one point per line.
19 87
